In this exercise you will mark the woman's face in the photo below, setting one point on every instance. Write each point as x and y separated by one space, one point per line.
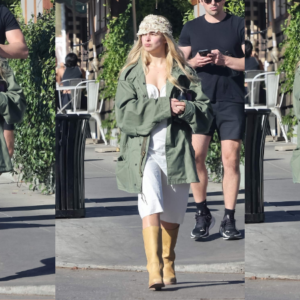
153 42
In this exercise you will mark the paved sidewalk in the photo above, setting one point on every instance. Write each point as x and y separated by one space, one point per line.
110 237
118 285
27 235
272 248
272 290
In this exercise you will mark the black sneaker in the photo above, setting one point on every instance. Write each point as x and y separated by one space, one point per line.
204 222
228 230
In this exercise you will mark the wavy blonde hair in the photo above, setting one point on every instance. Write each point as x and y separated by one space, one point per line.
174 57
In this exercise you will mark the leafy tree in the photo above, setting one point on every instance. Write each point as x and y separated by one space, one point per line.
291 45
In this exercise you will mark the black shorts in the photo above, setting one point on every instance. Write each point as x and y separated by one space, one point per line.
5 125
229 120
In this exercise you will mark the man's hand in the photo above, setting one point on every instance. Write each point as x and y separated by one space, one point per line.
177 107
218 58
200 61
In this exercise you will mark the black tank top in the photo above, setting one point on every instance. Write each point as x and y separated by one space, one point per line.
71 73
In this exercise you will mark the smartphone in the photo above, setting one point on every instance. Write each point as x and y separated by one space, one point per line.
204 52
3 85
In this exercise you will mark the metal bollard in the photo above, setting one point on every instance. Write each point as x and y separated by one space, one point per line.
256 122
69 165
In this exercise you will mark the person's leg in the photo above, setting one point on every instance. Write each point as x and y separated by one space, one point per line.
175 204
10 141
231 125
200 144
204 219
150 204
231 180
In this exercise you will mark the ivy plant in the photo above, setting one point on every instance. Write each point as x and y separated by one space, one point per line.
290 120
35 137
117 43
291 46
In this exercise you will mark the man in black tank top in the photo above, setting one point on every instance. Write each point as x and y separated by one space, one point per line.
222 78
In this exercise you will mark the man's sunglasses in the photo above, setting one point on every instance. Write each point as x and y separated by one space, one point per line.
209 1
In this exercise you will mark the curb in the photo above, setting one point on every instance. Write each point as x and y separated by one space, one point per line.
271 276
230 268
40 290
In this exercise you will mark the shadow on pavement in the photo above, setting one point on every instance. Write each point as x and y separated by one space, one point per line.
284 203
282 216
93 159
200 284
22 208
29 218
113 211
47 269
134 198
22 225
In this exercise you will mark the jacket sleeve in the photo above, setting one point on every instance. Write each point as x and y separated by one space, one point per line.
198 112
136 116
12 102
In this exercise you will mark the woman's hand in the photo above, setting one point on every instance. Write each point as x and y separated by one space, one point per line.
177 107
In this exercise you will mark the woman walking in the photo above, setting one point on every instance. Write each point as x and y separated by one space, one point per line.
157 159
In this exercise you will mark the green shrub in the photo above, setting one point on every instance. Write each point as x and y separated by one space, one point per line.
35 137
291 44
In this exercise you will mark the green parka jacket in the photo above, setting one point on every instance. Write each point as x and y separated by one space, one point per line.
12 108
295 162
137 115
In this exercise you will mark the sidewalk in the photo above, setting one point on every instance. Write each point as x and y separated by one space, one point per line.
27 247
120 285
110 237
272 248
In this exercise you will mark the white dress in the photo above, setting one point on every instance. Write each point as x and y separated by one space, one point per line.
158 197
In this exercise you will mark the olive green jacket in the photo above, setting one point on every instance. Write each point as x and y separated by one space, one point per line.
12 108
137 115
295 161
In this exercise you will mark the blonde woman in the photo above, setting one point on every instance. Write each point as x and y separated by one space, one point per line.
12 108
157 160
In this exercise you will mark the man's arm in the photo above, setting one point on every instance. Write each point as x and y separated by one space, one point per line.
197 61
233 63
16 47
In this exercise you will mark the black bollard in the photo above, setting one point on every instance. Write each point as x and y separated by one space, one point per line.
70 147
256 122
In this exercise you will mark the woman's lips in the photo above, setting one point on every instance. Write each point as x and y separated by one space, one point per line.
147 45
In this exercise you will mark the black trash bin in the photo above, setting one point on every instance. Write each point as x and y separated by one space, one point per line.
256 123
70 146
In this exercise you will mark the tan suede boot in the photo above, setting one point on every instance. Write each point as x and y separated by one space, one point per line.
169 239
153 249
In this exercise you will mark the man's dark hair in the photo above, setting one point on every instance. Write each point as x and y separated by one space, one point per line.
248 49
71 60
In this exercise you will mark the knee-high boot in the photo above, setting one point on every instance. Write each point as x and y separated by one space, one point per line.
169 239
153 249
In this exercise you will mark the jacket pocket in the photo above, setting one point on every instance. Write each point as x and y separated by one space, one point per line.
123 173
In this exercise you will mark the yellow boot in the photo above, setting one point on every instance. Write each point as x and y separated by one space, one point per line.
153 249
169 239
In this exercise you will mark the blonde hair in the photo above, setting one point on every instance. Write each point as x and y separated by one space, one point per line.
174 57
